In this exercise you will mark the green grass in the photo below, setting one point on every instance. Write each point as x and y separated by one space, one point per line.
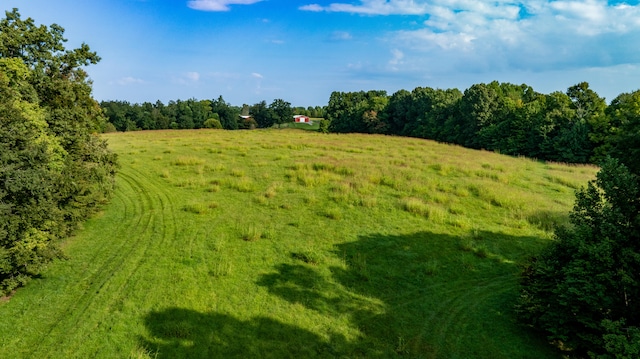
285 243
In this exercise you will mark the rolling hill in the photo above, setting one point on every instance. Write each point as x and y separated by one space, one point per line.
289 243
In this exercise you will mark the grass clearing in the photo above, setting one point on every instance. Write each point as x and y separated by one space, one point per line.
289 243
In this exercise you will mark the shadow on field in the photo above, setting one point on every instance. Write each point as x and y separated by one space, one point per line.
421 295
185 333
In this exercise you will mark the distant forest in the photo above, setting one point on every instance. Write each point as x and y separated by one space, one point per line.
193 114
576 126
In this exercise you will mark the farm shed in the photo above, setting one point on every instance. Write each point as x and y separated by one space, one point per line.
302 119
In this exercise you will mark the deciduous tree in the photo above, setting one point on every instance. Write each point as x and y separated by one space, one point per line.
261 114
281 111
624 138
584 290
54 170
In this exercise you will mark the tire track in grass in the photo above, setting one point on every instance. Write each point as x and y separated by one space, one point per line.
455 301
156 221
441 327
441 322
106 264
150 238
134 239
164 221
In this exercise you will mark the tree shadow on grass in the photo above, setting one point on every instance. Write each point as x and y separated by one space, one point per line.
422 295
186 333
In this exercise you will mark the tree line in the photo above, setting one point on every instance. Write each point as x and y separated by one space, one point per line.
54 169
574 127
194 114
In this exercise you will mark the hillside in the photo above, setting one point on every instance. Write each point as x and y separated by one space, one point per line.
288 243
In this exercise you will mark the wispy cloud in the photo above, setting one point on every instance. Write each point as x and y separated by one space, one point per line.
258 82
340 36
127 81
396 59
217 5
187 78
312 7
374 7
193 76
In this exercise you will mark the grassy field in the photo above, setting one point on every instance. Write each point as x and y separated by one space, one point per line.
289 243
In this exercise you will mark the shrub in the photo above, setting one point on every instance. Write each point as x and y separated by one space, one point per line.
109 128
212 123
324 126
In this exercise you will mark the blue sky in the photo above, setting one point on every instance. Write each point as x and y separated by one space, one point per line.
302 50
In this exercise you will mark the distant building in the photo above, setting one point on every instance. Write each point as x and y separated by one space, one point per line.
302 119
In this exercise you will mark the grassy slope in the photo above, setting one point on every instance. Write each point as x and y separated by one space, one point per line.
285 243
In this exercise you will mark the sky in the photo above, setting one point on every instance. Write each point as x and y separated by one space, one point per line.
301 51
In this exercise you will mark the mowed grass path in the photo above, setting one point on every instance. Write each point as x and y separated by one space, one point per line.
286 243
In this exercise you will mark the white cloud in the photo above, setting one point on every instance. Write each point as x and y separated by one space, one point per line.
258 84
312 7
396 59
588 17
374 7
192 76
217 5
126 81
531 35
187 78
592 11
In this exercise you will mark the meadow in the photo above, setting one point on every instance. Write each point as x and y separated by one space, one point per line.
289 243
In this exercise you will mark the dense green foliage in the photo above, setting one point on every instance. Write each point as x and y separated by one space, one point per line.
584 290
624 130
502 117
54 170
356 111
193 114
